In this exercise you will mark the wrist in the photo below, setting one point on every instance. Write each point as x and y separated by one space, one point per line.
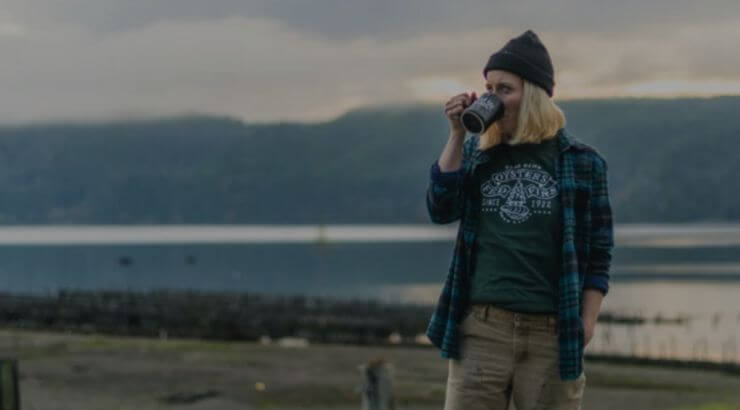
457 134
589 320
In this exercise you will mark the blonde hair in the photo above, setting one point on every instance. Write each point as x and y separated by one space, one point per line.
539 119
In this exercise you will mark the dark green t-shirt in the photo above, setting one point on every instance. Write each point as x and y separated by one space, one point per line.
517 258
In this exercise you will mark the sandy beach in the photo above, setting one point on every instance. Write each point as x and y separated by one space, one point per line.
81 372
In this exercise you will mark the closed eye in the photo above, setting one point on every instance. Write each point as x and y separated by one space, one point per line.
503 88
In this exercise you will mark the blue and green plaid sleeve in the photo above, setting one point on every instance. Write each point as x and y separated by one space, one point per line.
444 194
601 238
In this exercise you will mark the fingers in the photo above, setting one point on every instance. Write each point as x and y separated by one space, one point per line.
458 103
458 99
455 110
463 98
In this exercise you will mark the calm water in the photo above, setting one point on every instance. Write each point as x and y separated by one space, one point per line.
658 270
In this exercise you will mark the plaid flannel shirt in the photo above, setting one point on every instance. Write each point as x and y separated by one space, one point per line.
581 174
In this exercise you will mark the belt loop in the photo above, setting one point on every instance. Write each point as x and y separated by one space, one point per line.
485 312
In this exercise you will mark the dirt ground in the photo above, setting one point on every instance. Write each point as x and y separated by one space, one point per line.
65 371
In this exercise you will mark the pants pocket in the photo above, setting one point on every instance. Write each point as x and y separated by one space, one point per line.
560 394
468 316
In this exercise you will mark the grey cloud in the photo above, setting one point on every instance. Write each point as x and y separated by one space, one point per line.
107 58
387 19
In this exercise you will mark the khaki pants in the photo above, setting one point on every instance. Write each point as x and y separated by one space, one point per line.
509 357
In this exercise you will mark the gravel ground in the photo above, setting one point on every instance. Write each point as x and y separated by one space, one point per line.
65 371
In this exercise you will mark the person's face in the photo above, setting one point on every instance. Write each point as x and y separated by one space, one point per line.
508 87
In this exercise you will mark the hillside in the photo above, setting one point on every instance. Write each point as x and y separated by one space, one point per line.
669 161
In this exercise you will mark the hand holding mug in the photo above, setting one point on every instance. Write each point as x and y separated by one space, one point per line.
454 108
482 113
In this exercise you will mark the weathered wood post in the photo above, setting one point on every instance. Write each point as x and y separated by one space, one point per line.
377 392
10 398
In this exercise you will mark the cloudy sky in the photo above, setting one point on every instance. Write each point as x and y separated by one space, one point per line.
311 60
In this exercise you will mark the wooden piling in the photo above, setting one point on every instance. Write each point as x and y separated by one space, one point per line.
10 398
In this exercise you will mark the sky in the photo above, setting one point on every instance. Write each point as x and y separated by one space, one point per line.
312 60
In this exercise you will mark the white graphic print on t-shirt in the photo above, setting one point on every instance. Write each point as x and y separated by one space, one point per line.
519 191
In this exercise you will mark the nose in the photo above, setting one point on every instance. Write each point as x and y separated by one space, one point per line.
500 97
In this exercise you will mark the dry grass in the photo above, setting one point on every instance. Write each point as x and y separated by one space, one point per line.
61 371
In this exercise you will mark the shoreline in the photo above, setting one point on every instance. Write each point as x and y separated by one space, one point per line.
254 317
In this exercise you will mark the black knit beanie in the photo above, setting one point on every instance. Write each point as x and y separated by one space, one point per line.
527 57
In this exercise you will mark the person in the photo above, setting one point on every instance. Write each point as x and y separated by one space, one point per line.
530 265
